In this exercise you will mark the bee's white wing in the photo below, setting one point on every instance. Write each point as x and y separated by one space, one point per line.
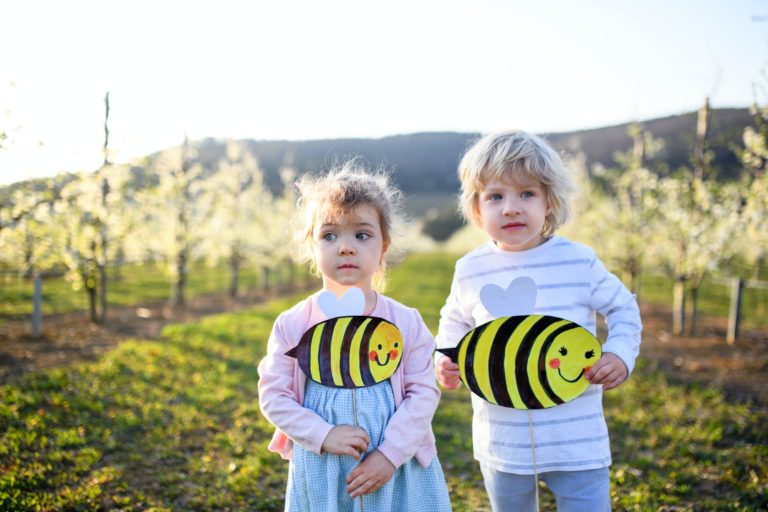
519 299
352 303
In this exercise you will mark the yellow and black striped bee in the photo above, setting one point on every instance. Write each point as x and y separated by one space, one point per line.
349 351
526 362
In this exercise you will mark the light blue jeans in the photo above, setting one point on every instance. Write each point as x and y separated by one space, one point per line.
575 491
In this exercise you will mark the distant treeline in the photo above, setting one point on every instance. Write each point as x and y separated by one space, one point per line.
426 162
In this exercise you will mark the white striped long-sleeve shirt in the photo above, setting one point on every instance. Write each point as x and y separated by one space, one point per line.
572 283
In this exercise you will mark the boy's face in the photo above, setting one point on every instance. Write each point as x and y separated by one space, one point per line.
348 253
513 214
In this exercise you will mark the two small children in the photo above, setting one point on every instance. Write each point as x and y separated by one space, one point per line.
516 189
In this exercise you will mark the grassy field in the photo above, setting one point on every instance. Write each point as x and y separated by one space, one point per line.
134 284
175 425
149 283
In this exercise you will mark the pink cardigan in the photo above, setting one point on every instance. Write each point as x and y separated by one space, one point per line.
281 386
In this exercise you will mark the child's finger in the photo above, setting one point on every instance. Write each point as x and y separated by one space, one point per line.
366 487
362 436
359 444
598 377
590 375
350 450
615 379
446 363
355 473
358 480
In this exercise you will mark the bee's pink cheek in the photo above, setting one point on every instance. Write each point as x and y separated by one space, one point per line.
554 364
393 354
372 356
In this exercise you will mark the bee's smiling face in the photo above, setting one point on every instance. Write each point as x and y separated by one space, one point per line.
385 351
568 360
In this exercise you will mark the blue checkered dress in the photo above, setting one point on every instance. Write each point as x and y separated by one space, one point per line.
317 482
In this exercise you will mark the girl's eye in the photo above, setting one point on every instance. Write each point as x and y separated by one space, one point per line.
329 237
527 194
494 197
362 236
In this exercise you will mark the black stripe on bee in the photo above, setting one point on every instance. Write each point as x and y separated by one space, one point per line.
521 362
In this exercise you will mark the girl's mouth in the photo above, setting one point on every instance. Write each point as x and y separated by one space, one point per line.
513 225
347 266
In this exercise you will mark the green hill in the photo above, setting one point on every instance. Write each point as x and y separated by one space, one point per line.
426 162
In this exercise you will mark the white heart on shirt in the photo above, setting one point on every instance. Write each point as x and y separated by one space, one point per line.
518 299
352 303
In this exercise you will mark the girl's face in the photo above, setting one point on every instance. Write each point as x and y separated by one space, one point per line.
513 214
349 252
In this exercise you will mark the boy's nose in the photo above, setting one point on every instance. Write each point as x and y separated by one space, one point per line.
511 208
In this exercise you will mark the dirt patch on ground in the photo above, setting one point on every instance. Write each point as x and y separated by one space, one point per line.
71 337
741 369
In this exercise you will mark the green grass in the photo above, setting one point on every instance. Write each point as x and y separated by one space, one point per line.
134 284
175 425
713 300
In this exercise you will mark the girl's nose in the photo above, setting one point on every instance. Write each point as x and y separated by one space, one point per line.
346 249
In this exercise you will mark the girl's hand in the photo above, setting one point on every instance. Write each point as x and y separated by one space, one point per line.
610 371
370 475
346 440
447 373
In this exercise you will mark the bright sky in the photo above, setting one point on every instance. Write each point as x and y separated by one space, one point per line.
309 69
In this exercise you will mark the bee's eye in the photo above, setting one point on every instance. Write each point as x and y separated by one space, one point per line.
380 347
589 354
563 351
396 344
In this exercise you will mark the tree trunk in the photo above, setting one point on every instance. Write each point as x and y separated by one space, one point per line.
90 288
234 277
103 293
177 298
103 221
694 310
37 306
265 279
678 306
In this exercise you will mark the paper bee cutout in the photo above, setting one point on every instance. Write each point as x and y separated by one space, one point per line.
348 350
524 361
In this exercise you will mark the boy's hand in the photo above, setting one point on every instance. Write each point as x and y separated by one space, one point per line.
346 440
610 371
447 373
370 475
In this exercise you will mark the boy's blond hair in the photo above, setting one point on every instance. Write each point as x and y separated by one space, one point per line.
329 197
521 158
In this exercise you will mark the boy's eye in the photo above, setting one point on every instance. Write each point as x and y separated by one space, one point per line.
362 236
